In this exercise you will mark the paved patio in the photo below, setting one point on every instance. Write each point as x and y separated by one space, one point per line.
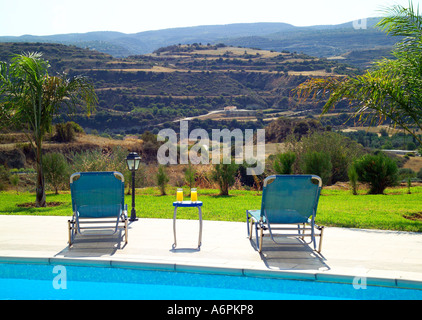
384 257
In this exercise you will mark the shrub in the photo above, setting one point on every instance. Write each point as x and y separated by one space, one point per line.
342 152
250 180
56 170
14 180
353 179
162 179
419 174
190 176
76 127
317 163
283 163
4 177
378 170
113 159
224 174
65 132
406 173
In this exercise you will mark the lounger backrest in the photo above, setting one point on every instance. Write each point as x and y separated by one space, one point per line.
290 198
97 194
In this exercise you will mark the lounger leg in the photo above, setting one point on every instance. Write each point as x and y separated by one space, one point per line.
70 232
126 229
256 235
320 239
261 233
260 239
251 228
247 224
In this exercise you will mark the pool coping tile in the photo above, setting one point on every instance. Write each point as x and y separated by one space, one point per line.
143 265
359 280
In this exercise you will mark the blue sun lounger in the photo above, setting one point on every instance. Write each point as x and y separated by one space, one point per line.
97 203
287 200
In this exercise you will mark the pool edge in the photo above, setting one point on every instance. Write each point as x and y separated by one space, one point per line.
403 283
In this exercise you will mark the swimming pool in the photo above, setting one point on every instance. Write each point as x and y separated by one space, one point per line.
54 281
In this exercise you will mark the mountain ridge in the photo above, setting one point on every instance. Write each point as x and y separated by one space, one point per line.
319 40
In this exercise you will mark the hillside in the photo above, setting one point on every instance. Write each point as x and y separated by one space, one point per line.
320 41
153 91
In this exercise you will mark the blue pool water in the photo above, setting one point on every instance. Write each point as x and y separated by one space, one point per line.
39 281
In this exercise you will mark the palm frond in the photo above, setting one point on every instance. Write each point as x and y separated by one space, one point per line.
392 89
403 22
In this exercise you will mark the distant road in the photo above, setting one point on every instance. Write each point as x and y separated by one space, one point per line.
201 116
212 112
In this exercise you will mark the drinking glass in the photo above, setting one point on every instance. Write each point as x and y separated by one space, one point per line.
193 195
179 195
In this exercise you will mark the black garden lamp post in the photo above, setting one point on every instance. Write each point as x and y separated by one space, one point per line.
133 160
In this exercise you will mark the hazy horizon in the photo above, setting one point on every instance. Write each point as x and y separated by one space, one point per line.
51 17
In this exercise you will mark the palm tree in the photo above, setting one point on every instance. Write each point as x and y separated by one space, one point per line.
392 89
30 97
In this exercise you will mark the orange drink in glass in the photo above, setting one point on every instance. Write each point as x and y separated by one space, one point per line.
179 195
193 195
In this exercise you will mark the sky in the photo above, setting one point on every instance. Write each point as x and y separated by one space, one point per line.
47 17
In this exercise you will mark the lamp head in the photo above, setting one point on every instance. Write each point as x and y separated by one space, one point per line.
133 160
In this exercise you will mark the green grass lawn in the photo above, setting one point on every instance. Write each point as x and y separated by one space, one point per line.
336 207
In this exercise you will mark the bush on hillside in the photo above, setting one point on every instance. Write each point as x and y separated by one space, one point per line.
56 170
162 179
283 163
341 150
318 163
224 174
379 171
